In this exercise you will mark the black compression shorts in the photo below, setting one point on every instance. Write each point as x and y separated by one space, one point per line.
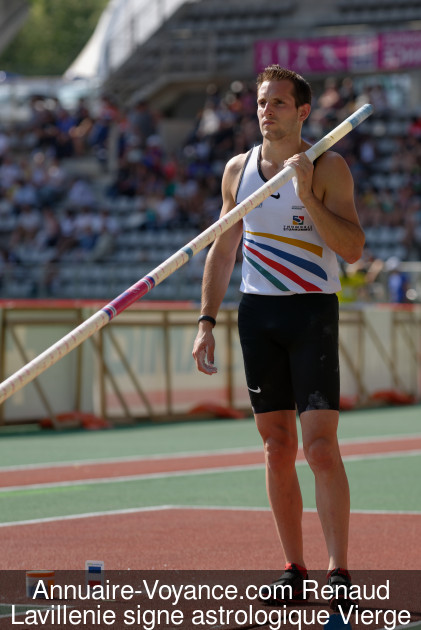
290 351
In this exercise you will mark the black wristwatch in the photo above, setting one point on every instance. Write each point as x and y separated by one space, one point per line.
207 318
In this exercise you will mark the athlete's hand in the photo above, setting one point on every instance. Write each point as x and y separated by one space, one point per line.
303 180
204 349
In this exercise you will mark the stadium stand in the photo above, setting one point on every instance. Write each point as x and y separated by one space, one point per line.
72 228
94 197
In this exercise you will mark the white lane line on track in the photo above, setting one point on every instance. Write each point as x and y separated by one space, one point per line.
191 454
188 473
133 458
124 478
161 508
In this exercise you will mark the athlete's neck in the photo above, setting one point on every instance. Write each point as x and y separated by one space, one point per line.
274 153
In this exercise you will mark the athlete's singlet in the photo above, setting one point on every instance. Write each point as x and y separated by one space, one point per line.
283 252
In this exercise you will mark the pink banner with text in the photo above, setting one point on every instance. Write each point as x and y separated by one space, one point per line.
344 54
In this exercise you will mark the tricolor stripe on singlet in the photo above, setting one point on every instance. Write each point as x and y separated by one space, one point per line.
267 274
296 260
308 286
296 242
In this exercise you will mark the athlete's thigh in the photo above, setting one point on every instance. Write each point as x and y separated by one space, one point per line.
266 361
315 359
278 429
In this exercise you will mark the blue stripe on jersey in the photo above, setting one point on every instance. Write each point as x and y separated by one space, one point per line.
296 260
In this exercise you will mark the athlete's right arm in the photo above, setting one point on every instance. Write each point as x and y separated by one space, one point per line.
218 269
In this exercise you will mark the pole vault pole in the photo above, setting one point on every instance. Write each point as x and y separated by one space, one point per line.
102 317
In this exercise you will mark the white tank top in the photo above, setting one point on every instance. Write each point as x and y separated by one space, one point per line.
282 251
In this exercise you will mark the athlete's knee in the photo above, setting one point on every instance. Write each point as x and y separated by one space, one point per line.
322 454
280 450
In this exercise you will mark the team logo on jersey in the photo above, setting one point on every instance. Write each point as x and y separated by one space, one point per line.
298 224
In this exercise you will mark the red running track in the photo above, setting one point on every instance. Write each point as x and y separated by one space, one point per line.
181 538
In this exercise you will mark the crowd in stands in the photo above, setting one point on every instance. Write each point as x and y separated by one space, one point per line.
51 214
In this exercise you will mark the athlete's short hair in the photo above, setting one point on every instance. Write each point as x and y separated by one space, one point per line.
302 89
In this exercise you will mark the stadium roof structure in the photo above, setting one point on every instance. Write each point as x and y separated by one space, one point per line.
123 26
156 49
141 47
12 17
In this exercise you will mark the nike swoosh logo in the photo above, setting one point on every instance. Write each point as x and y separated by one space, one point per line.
256 391
277 196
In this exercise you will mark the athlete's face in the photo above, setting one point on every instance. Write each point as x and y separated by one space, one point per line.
276 110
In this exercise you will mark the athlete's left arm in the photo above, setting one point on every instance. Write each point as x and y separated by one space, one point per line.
327 192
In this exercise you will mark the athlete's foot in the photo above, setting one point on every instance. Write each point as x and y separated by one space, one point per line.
287 588
340 580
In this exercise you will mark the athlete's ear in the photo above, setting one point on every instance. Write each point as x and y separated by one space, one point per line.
304 111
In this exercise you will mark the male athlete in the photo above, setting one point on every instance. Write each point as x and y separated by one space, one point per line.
288 315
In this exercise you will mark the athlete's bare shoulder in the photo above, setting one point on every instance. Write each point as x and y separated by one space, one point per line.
330 172
235 165
232 174
331 165
331 159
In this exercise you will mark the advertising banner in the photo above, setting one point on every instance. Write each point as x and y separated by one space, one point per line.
343 54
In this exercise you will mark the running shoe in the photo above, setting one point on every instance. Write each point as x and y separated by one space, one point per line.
288 588
342 579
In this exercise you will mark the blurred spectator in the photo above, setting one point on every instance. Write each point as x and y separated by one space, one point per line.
49 234
10 171
79 133
165 210
24 194
141 124
84 227
359 281
331 96
415 127
81 193
54 186
348 95
4 143
106 228
68 239
397 282
353 282
27 226
377 97
86 241
367 152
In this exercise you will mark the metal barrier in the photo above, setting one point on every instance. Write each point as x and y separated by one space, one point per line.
140 366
